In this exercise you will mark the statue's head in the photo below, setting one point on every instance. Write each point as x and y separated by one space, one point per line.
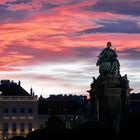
109 44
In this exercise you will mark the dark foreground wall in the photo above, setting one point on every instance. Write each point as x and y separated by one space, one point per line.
129 128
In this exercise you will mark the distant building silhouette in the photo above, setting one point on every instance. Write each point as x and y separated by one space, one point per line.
134 106
70 108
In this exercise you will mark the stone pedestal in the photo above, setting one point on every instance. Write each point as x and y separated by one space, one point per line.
109 98
114 106
113 98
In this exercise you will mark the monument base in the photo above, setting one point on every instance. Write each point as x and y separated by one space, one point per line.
109 99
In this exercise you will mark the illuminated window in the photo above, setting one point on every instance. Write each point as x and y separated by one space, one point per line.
5 127
30 126
14 127
22 127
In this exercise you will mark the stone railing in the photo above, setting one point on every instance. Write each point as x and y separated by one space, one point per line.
18 98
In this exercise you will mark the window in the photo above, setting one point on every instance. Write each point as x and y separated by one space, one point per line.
64 111
6 110
30 126
5 127
49 110
22 110
14 110
22 127
30 110
14 127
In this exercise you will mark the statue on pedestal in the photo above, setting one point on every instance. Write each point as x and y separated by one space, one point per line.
107 62
109 93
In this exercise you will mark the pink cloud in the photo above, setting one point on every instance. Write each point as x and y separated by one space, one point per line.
34 33
3 1
55 36
22 7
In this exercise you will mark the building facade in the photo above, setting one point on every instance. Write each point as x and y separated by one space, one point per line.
22 112
18 110
71 109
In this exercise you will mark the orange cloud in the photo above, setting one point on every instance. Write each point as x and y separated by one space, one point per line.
10 59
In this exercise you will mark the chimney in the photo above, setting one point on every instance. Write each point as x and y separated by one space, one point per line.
19 83
31 91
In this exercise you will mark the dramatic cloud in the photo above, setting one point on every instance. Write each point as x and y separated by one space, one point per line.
129 7
115 27
131 53
18 2
52 45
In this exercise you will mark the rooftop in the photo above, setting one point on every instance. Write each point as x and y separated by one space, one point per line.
11 88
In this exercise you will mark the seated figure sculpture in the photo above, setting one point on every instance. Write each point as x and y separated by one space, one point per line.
107 62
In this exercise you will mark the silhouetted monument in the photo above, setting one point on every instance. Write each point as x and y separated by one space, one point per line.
109 93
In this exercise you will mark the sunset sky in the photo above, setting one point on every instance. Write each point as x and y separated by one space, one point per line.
52 45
